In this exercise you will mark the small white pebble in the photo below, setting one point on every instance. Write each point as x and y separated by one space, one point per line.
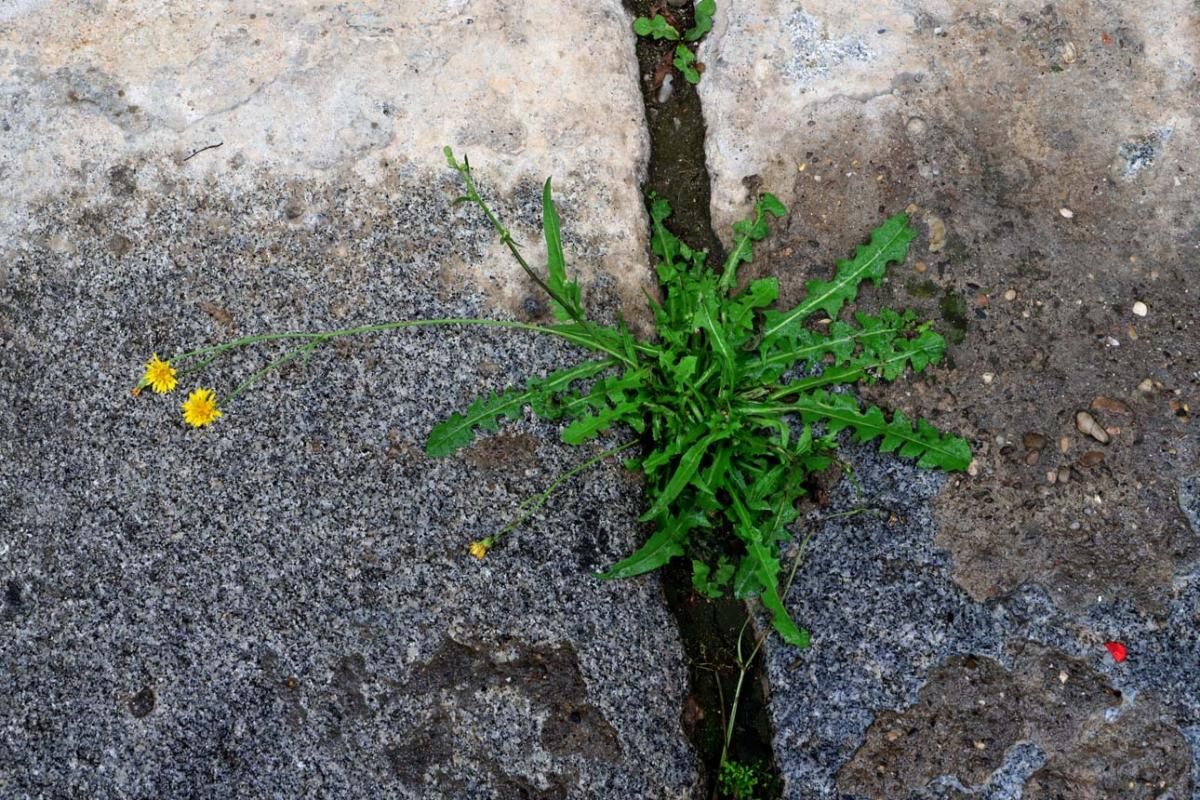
1066 213
988 377
1063 677
1052 476
1112 342
1139 309
973 468
665 90
1011 294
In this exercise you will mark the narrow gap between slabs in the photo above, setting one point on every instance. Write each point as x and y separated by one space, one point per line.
709 629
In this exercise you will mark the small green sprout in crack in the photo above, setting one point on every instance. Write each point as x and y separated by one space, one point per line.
729 434
743 781
685 62
656 28
661 27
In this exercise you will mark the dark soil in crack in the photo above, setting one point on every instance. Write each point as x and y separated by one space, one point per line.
677 170
708 628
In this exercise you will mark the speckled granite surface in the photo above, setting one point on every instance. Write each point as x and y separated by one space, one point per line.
912 688
283 604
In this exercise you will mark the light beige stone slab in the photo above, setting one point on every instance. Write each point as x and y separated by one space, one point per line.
360 92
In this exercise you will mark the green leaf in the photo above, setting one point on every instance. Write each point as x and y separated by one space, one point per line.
485 412
746 232
764 564
927 444
709 583
739 312
597 338
766 568
684 473
705 320
888 244
557 265
882 346
745 582
592 425
685 61
658 27
704 20
483 415
666 543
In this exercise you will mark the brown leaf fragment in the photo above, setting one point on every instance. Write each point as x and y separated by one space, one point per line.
219 314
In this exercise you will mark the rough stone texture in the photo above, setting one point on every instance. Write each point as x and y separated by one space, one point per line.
1047 152
282 605
991 122
98 99
912 689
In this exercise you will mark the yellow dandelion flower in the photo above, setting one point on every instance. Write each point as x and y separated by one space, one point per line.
200 409
160 375
480 548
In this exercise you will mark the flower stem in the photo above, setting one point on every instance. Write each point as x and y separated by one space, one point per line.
532 504
206 355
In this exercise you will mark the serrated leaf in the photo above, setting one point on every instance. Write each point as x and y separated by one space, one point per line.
664 544
739 312
763 562
746 232
592 425
767 570
708 582
929 446
888 244
746 583
484 413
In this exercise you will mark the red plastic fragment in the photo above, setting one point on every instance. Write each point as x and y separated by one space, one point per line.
1117 650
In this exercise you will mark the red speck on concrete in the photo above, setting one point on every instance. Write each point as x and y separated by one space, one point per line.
1117 650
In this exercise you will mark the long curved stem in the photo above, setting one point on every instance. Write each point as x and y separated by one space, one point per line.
573 336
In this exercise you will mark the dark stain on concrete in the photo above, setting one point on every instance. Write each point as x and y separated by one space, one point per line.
972 711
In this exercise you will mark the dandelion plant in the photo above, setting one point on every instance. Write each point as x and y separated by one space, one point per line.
732 406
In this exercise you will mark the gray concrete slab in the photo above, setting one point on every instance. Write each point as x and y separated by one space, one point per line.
1047 153
283 605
